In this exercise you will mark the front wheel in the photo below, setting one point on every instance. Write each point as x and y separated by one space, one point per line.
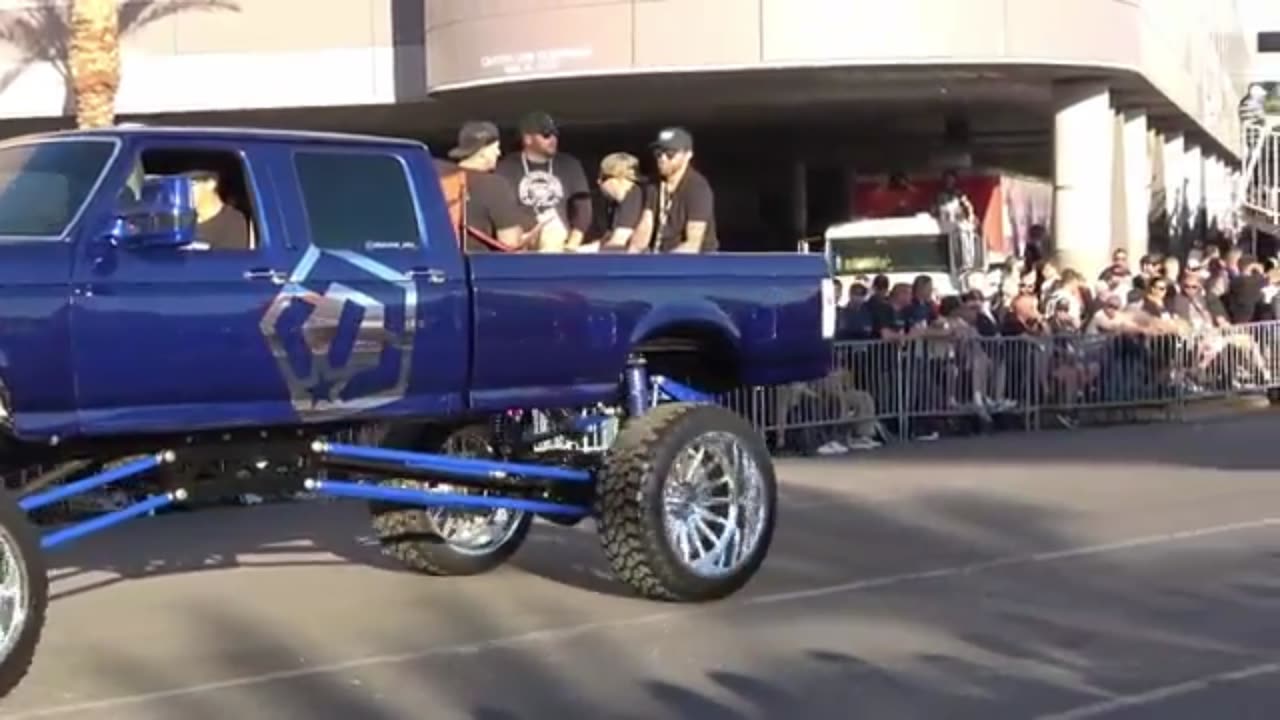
686 503
449 541
24 593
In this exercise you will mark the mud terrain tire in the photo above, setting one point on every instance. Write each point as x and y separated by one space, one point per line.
407 533
632 502
26 568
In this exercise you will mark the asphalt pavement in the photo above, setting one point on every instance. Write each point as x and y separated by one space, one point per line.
1106 573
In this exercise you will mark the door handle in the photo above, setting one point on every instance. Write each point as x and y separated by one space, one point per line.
275 276
435 276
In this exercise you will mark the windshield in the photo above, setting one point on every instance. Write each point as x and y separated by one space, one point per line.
897 253
43 185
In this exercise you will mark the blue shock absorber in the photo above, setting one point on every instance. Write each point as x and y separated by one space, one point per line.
637 379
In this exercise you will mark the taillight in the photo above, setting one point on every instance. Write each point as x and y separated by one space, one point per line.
828 308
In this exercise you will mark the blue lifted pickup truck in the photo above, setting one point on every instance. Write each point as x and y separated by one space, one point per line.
344 341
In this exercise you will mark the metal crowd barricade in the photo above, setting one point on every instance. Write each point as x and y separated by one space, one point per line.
889 386
886 387
862 389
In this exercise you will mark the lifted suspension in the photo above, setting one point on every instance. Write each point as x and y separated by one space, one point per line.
97 480
431 466
642 391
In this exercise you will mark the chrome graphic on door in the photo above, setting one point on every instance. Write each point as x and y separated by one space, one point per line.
342 350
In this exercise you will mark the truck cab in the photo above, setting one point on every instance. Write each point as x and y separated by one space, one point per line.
348 300
903 248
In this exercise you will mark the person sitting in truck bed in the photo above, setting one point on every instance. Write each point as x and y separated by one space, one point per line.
219 226
494 219
628 228
684 204
550 183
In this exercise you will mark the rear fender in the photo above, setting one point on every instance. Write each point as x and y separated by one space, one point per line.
695 343
704 317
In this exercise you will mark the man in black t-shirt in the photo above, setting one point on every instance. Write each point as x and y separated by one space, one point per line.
683 205
494 220
219 226
551 183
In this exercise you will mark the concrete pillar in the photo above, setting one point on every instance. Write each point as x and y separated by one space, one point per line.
1215 183
1174 152
1211 198
1193 171
1083 165
1132 204
799 199
1230 177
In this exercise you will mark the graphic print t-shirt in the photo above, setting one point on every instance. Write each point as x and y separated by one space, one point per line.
559 184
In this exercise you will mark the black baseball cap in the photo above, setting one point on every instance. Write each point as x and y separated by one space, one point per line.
473 137
675 139
538 123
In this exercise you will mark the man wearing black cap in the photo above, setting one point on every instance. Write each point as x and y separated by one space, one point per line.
493 219
685 212
552 184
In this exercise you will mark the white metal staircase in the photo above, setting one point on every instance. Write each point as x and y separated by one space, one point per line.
1260 177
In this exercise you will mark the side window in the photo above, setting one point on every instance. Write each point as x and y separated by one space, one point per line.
226 211
357 201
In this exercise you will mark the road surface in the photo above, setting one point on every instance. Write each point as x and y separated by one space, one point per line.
1120 573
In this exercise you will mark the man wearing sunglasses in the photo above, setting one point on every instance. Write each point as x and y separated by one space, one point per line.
551 183
684 212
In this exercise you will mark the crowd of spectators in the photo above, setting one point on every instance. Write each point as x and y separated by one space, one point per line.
1212 289
1127 334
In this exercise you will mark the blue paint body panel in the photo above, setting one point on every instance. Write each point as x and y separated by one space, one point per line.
102 340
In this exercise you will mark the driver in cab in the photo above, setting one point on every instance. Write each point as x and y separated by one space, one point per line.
219 226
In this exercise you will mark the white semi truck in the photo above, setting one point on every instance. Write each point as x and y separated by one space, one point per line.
903 248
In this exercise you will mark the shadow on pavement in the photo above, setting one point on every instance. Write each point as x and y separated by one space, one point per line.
1008 641
280 535
338 533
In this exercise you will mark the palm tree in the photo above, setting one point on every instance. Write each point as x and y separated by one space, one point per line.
93 60
82 43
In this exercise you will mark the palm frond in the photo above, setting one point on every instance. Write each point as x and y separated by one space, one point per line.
39 34
137 14
15 72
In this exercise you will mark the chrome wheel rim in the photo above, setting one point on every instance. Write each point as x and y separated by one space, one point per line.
15 601
714 505
472 532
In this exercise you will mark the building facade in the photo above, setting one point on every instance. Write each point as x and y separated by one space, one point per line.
1118 101
1261 24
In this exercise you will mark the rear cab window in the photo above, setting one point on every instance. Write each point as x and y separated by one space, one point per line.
358 201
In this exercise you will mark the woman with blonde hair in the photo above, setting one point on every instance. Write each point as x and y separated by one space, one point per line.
628 219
